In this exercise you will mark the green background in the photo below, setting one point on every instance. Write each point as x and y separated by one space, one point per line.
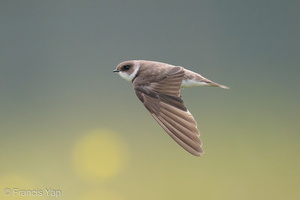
68 123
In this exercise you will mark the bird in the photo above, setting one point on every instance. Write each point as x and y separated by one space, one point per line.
158 85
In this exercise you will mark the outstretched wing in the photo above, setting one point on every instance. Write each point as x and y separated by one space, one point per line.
162 98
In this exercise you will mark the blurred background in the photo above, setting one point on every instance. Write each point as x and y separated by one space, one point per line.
71 127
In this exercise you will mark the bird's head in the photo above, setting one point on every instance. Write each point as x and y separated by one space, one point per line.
127 69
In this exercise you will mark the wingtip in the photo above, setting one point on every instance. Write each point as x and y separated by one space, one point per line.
198 153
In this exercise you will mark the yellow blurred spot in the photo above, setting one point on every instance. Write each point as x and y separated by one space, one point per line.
100 154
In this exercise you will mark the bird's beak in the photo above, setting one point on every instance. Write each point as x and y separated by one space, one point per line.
116 70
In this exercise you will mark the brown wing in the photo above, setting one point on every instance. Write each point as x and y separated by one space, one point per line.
162 99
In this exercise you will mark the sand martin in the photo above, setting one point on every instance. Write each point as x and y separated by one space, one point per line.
157 85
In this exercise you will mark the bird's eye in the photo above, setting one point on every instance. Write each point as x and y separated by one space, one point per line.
126 67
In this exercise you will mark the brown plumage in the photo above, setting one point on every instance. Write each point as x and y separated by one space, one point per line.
157 85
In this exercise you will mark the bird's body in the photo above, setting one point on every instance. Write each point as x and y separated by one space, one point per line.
158 85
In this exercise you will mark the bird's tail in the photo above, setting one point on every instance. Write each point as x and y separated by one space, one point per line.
212 84
192 79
